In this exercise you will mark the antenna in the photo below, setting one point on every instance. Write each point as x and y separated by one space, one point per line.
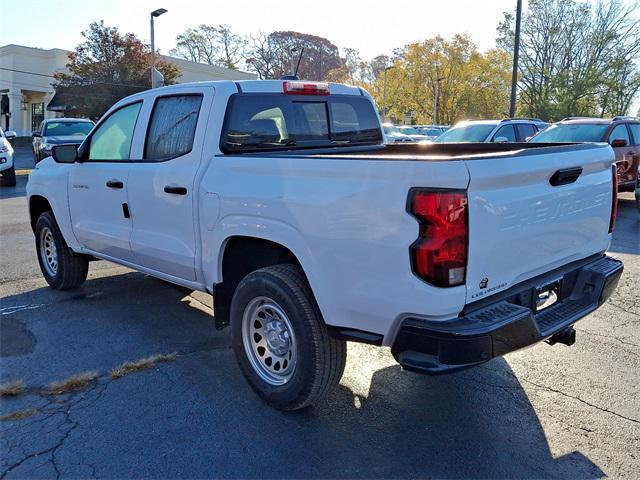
295 73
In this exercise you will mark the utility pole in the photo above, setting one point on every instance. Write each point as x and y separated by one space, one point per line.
154 14
516 53
384 93
435 100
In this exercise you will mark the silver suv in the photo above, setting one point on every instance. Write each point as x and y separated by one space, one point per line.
486 131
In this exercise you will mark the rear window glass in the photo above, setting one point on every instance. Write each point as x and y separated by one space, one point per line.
259 122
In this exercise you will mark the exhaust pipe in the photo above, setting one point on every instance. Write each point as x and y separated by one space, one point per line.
566 337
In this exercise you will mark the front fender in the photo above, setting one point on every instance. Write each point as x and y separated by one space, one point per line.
50 180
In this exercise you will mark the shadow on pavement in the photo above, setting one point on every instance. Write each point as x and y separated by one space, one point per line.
20 190
196 417
626 236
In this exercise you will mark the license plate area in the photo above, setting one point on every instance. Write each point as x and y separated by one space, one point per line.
547 295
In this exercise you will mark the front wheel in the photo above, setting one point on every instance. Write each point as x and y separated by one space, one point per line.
280 340
61 267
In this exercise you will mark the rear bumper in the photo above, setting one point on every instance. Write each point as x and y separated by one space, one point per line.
508 324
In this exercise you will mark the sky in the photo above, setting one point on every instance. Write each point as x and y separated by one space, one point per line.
368 26
371 27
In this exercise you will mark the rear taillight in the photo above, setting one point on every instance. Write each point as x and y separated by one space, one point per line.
305 88
439 255
614 199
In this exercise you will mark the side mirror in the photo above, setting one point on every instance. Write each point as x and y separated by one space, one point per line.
618 142
9 134
501 140
36 134
65 153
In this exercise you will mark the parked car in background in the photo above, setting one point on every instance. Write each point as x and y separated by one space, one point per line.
393 134
414 133
622 133
432 131
57 131
485 131
7 169
638 190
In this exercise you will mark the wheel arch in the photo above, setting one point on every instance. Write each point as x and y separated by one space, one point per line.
239 256
37 206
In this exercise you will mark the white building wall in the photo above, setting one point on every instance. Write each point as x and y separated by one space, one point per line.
26 89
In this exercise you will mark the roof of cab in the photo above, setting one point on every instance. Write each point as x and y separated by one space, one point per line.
269 86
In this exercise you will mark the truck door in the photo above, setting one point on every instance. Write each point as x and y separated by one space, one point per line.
162 186
98 186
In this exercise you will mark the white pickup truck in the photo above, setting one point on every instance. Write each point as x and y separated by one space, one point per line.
280 198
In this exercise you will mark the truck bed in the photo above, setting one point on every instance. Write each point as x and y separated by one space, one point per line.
434 151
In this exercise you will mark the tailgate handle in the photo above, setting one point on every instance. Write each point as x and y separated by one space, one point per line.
565 176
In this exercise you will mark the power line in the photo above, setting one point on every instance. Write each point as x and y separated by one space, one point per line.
51 76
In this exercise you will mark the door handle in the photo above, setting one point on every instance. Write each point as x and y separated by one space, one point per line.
175 190
115 184
565 176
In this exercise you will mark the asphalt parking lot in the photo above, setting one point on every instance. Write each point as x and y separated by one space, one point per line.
544 412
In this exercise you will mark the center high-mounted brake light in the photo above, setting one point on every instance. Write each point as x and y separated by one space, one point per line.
439 255
305 88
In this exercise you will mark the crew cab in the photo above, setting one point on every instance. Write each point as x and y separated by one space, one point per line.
281 199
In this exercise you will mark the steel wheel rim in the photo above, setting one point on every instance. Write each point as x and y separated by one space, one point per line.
269 341
48 251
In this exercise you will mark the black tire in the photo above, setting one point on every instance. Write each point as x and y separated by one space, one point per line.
320 359
8 178
71 268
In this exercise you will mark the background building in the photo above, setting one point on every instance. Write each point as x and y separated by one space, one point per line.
26 75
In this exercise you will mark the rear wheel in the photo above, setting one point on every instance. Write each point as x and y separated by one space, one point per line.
280 340
62 268
8 178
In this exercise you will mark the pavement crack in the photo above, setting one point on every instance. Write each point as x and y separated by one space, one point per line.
602 409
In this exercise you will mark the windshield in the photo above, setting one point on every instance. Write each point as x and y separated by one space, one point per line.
466 133
258 122
68 128
410 131
390 129
433 132
572 132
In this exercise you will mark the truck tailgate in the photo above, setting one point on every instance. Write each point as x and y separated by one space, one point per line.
520 225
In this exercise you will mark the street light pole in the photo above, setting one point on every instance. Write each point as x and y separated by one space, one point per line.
154 14
516 53
384 93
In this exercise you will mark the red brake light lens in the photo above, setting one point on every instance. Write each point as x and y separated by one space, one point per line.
614 200
439 255
305 88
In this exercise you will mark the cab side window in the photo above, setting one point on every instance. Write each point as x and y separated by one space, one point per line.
620 132
172 127
111 140
507 132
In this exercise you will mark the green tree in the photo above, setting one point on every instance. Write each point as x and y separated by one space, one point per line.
576 58
106 67
468 83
